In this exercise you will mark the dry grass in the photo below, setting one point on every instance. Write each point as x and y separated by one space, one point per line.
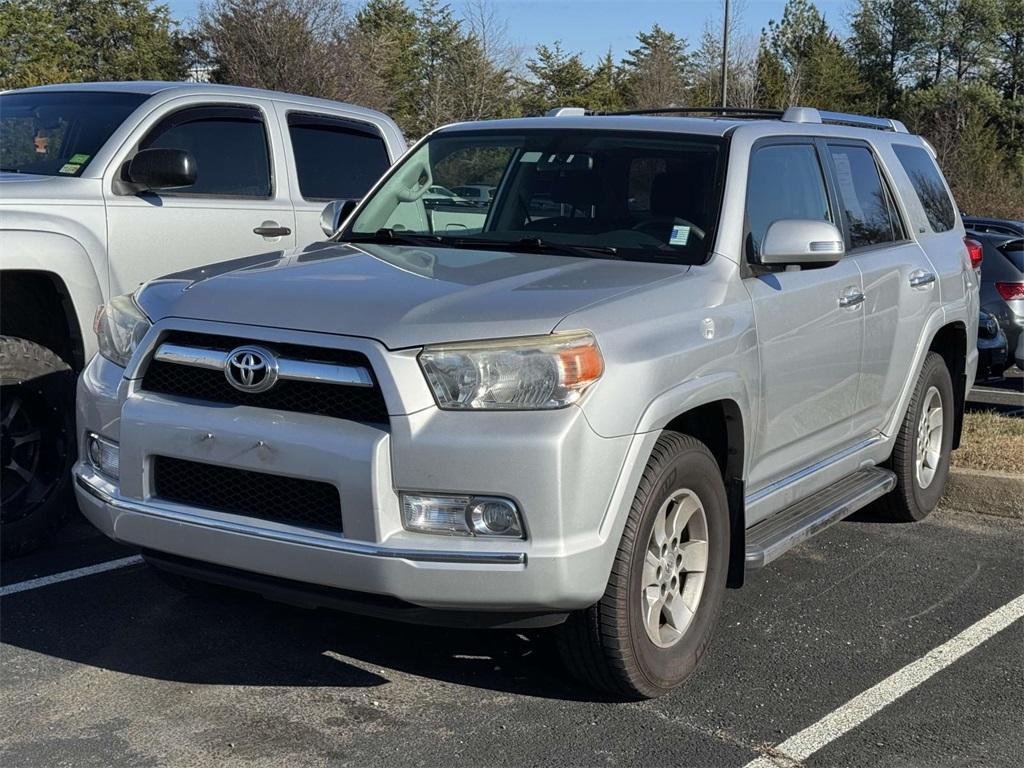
991 441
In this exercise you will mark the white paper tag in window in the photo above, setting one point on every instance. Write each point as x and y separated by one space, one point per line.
680 235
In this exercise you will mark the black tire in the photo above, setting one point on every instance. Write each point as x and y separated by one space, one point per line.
37 397
607 645
910 501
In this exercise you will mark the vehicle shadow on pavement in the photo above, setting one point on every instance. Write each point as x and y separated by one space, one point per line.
131 622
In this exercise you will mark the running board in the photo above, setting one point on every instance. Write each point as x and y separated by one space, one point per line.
785 529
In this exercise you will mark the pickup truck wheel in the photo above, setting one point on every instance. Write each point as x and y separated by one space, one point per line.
37 443
920 456
650 629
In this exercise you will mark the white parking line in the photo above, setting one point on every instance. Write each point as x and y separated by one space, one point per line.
45 581
798 748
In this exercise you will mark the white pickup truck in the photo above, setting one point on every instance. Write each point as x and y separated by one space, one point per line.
106 185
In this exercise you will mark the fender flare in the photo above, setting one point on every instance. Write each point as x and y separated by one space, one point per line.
65 260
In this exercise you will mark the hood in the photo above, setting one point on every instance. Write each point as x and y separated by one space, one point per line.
30 187
400 295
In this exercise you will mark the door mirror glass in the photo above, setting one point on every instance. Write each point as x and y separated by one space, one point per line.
334 213
162 169
802 242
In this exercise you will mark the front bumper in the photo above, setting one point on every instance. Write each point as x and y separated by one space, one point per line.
561 474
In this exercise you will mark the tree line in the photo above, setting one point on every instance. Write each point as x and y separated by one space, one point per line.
952 70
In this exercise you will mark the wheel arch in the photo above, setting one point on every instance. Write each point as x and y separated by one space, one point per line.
715 410
50 291
950 342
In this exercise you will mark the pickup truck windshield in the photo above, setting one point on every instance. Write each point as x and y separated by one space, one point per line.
595 193
57 133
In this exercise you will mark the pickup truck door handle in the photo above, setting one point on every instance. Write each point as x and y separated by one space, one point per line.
919 278
851 297
271 229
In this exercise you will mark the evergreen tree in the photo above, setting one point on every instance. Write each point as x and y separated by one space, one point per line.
59 40
654 74
559 79
886 37
387 39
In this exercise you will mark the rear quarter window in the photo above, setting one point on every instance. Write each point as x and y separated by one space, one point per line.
928 185
335 159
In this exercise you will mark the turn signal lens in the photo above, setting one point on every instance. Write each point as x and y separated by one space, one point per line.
975 251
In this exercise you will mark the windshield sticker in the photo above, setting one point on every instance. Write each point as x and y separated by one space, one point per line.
69 168
530 157
680 235
79 159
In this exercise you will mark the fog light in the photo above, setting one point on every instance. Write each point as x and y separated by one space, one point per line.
104 455
495 517
461 515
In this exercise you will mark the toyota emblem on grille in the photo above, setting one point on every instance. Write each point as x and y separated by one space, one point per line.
251 369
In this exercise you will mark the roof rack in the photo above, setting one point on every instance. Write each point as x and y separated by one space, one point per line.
716 111
791 115
812 115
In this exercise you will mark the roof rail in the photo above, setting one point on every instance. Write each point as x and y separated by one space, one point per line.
812 115
719 111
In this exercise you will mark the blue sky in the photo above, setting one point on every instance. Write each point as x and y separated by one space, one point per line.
591 26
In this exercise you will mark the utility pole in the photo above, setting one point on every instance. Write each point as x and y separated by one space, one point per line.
725 56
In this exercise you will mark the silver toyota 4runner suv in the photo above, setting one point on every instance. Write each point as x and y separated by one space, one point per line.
665 350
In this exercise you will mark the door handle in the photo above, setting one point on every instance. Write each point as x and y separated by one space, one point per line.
851 297
270 229
921 279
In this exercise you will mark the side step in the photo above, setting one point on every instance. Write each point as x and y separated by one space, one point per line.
785 529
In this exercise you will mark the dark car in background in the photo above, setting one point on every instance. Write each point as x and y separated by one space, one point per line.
993 350
985 225
1002 282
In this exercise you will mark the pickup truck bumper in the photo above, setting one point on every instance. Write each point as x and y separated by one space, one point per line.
561 565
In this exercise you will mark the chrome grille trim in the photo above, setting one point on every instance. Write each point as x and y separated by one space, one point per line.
293 370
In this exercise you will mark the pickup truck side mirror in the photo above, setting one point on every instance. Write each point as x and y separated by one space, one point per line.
162 169
802 242
334 213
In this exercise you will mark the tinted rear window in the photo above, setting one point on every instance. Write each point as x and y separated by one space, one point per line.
335 159
927 181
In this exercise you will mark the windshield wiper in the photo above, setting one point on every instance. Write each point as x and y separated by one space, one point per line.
388 235
539 245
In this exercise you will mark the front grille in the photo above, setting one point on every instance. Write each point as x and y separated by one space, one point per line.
363 404
308 503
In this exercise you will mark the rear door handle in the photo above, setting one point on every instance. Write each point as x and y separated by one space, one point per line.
919 278
851 297
271 229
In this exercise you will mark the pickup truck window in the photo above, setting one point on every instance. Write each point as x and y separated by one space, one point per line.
785 181
229 145
335 159
928 186
870 214
57 133
558 190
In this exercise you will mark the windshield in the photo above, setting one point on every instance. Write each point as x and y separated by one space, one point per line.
57 133
634 195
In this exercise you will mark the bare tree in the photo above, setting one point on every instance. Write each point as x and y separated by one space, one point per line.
276 44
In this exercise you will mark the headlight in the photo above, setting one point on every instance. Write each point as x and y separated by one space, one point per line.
537 372
120 326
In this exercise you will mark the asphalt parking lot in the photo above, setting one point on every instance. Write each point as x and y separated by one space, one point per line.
115 668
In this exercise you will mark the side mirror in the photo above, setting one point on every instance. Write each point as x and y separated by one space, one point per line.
162 169
334 213
802 242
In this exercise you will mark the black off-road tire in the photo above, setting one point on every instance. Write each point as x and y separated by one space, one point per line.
606 646
909 502
37 394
